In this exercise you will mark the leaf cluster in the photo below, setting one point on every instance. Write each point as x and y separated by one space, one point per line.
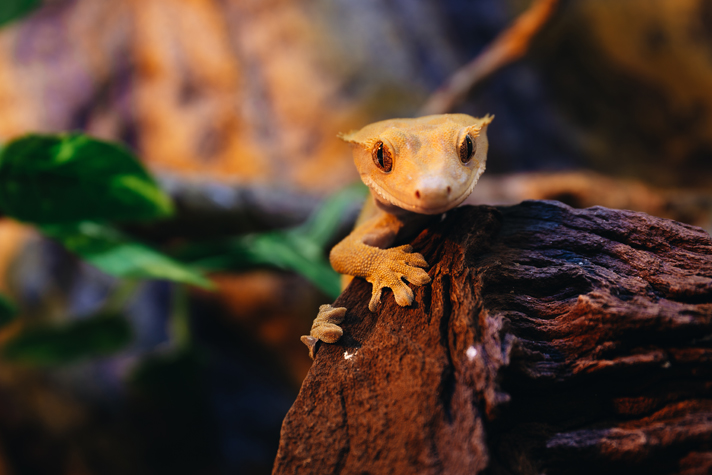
80 191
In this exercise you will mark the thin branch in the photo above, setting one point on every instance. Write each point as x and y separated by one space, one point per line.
509 46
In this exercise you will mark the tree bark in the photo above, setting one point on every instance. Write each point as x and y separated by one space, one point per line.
551 340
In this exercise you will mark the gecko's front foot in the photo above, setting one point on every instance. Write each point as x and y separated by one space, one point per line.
325 327
396 264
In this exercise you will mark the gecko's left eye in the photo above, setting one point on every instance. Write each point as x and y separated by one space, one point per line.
467 150
382 157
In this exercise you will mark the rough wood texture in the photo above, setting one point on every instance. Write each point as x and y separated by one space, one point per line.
552 340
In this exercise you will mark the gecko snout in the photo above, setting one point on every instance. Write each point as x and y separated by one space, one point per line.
418 195
431 194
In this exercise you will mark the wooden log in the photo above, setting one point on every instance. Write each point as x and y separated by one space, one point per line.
552 340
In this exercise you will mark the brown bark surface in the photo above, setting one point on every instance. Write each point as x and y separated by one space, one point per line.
552 340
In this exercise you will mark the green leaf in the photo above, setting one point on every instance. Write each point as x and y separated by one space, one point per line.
56 179
283 250
300 249
292 252
323 224
114 253
7 311
60 344
11 10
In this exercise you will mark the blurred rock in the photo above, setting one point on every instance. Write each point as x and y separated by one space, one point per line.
585 189
633 80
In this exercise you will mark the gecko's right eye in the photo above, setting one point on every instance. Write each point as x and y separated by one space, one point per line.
467 150
382 157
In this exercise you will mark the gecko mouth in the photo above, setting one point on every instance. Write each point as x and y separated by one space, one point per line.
387 197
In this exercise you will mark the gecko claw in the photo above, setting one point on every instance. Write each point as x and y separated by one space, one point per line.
311 342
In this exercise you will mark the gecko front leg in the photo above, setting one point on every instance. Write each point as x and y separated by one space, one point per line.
359 255
365 253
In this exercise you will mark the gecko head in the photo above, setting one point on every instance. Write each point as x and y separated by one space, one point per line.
426 165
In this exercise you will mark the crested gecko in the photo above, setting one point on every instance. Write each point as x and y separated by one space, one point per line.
414 169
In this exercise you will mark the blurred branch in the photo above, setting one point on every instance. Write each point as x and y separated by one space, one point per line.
583 189
506 48
209 209
213 210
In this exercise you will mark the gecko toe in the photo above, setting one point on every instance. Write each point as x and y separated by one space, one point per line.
407 248
375 298
326 332
418 276
330 314
326 324
416 260
404 296
311 342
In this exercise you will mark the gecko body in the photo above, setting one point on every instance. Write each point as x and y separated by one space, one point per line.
415 169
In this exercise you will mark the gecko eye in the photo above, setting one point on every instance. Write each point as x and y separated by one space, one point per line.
382 157
467 150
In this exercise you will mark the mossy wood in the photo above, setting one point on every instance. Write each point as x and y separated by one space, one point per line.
551 340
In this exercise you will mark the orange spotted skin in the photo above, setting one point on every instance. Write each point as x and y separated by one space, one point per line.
414 168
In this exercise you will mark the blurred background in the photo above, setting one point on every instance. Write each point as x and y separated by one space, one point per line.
234 106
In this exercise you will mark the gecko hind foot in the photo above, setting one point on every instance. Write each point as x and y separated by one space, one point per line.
325 327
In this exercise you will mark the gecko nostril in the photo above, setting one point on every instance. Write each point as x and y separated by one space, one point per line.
449 190
417 194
